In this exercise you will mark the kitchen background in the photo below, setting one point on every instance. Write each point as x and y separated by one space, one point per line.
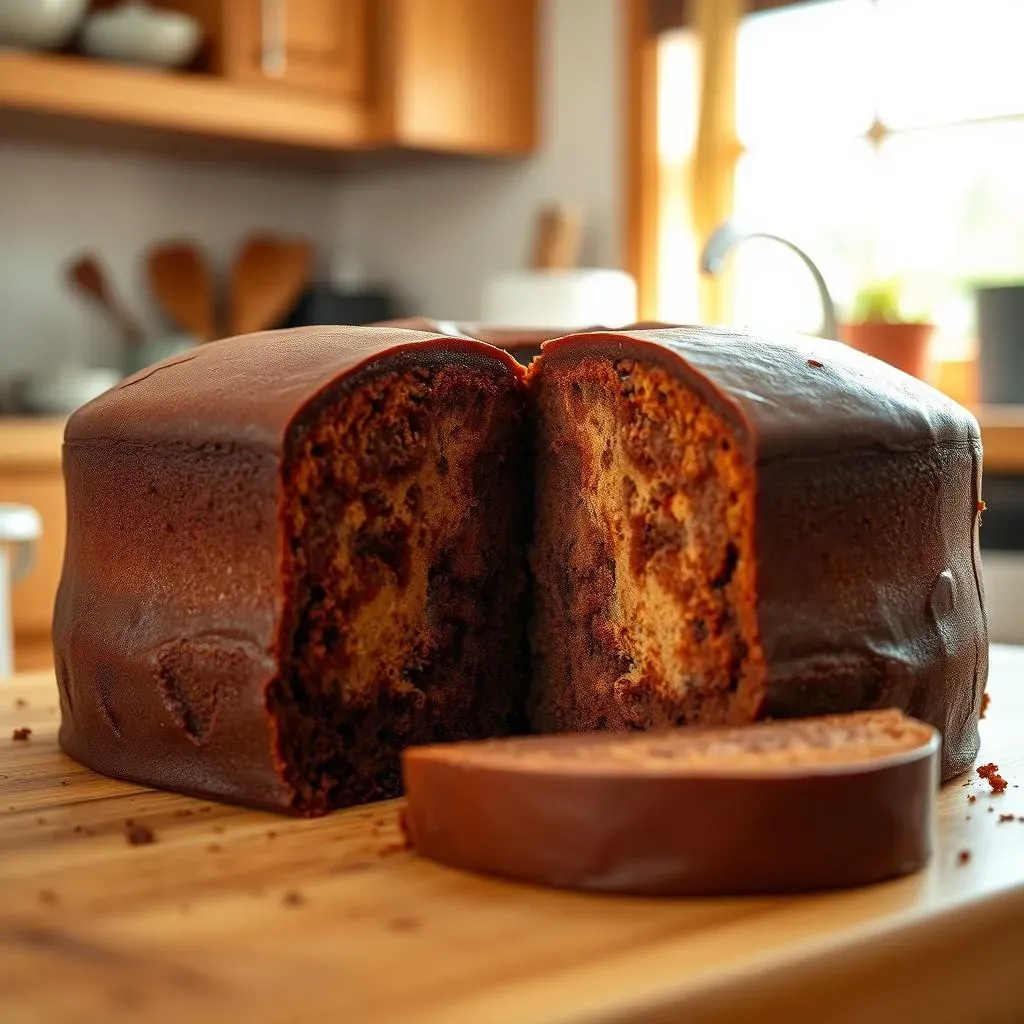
422 154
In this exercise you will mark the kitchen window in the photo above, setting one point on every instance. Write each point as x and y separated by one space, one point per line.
884 137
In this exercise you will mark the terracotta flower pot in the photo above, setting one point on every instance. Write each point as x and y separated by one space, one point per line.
905 346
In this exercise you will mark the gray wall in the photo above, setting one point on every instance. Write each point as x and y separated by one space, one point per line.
55 201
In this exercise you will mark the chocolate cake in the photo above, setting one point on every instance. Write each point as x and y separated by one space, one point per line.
771 807
729 528
289 555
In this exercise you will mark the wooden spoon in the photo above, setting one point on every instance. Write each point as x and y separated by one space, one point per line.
267 277
87 275
182 285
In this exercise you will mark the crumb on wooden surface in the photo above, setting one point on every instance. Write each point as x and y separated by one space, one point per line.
22 733
20 702
990 772
47 896
137 835
293 899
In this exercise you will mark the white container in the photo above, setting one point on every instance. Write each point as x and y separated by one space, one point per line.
560 298
137 34
39 24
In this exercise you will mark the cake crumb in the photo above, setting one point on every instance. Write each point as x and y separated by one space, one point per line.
963 856
271 834
47 896
20 702
984 704
990 772
1005 817
138 835
981 506
814 362
990 809
293 899
21 734
78 829
971 797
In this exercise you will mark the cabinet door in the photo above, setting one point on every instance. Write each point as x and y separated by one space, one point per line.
316 45
464 74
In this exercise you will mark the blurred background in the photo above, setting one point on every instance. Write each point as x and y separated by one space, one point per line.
175 171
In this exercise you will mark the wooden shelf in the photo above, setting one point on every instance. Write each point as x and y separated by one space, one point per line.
195 104
452 76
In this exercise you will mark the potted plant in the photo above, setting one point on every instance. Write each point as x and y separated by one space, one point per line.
878 327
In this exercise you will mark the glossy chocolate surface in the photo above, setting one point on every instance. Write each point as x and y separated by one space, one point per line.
660 830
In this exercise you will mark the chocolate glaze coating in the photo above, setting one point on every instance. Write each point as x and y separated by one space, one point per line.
523 344
169 612
660 831
867 512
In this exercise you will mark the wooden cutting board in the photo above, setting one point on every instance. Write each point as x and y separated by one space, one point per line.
237 915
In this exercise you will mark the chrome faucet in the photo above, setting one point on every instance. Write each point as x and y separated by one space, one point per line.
727 236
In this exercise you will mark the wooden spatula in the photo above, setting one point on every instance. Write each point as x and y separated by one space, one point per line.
87 276
181 284
267 277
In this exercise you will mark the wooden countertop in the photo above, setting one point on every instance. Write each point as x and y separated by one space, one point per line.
234 914
32 445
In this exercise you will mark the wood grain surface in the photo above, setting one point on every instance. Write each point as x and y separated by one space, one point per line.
232 914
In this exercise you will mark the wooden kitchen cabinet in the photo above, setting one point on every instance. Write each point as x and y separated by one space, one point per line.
321 75
320 46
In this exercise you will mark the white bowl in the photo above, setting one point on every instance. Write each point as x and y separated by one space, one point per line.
39 24
134 33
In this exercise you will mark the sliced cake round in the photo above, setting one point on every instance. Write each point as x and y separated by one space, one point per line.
787 806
